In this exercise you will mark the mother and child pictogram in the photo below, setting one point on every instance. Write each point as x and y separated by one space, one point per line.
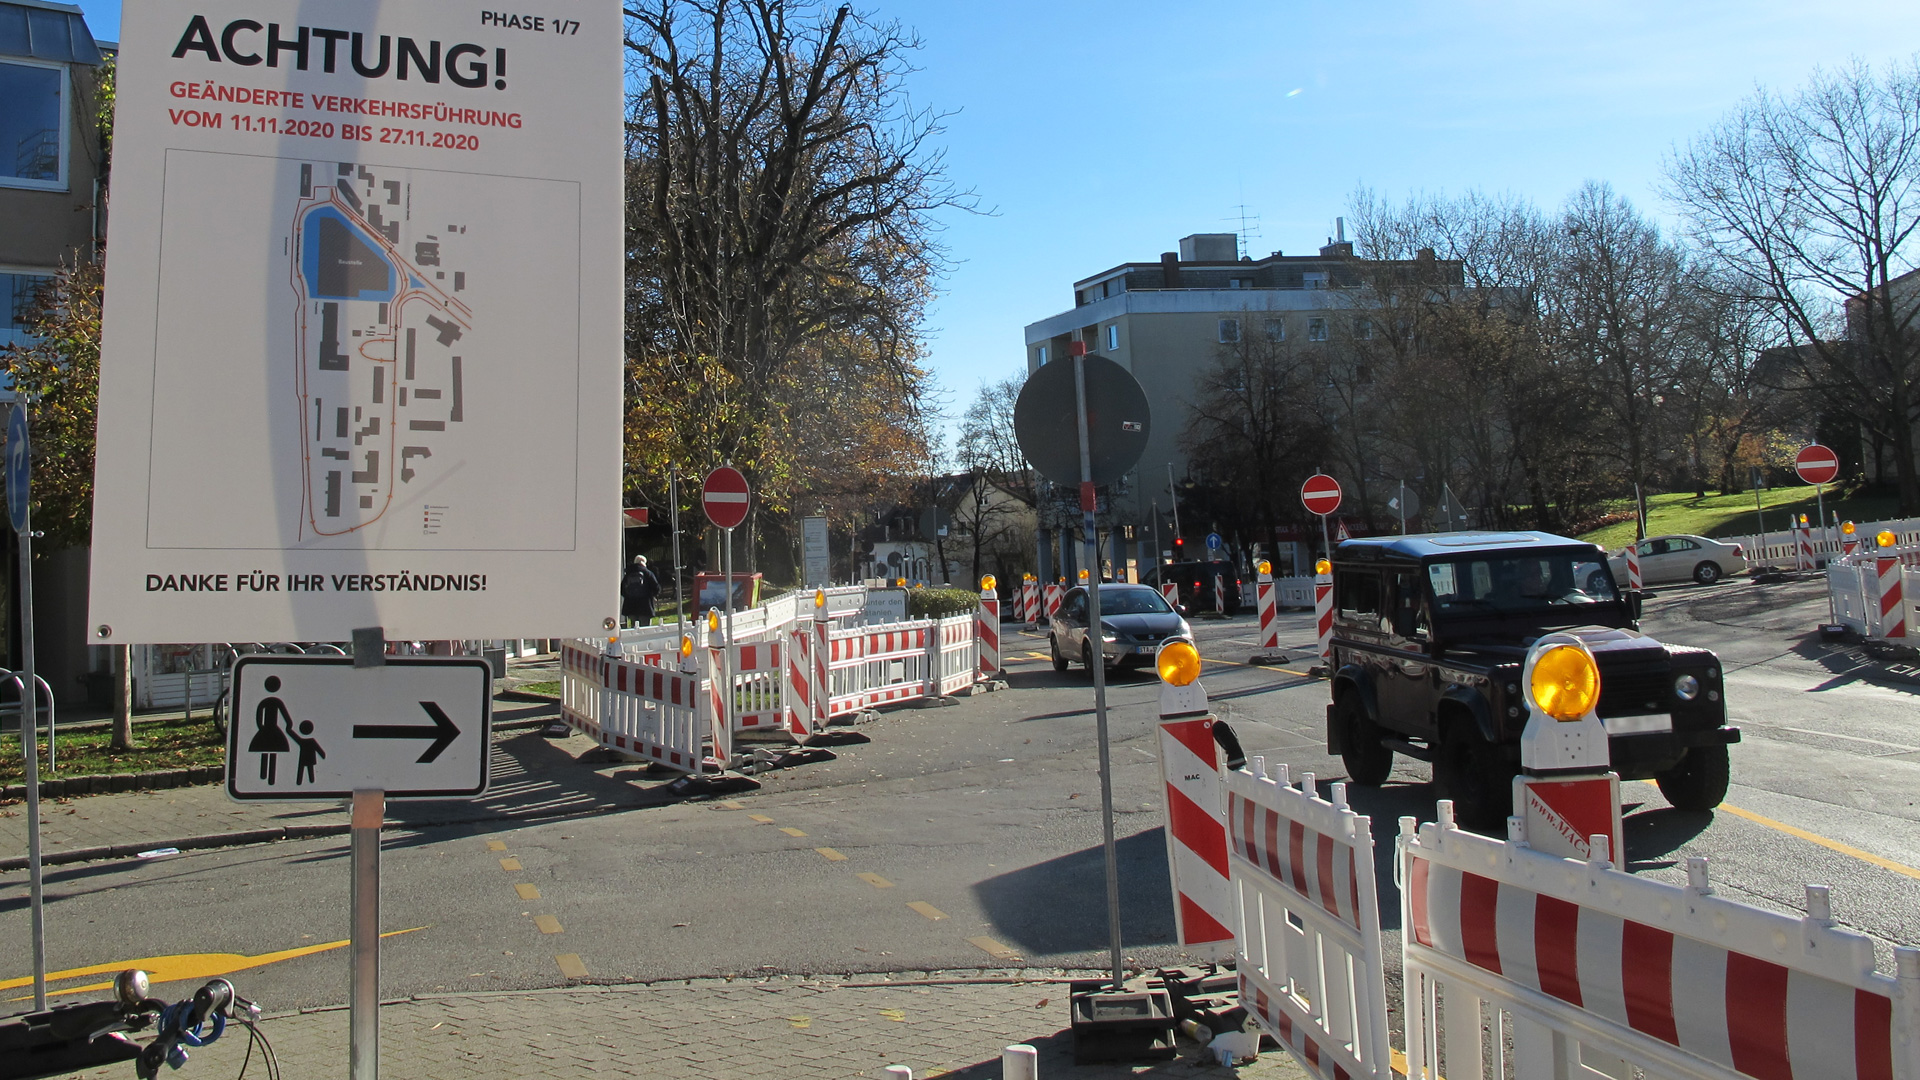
274 734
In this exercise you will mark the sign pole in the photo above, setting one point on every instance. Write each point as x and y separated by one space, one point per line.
20 509
369 810
1099 653
679 590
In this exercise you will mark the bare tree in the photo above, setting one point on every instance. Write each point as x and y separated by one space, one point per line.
1809 202
1255 428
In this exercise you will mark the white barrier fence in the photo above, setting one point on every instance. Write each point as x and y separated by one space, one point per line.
1782 548
1522 964
1870 605
634 694
1308 911
1293 592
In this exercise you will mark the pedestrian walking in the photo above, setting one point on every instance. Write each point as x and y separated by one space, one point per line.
638 590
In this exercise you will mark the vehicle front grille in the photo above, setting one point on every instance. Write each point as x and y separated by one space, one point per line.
1634 688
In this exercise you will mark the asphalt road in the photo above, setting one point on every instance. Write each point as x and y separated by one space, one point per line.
963 837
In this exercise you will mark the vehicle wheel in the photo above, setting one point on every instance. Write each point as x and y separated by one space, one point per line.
1707 573
1086 657
1053 646
1596 583
1700 781
1367 762
1476 776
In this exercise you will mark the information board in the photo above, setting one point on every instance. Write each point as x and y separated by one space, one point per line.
813 545
362 346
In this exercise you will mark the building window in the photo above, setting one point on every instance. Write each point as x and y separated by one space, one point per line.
1363 329
1113 336
1316 329
1315 280
1043 354
1229 331
32 127
16 301
1276 330
1239 283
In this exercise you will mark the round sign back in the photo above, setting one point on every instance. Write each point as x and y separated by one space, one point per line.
724 497
1118 421
1817 464
18 470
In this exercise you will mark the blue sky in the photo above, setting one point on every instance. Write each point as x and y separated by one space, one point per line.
1101 133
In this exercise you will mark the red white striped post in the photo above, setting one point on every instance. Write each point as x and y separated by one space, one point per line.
1030 602
1323 608
1170 591
1633 568
1053 598
1804 558
822 690
1849 538
988 632
1219 596
1269 623
1197 836
1893 604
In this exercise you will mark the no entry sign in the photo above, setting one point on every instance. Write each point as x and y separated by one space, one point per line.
724 497
1817 464
1321 494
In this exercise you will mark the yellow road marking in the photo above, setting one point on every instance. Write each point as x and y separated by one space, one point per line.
1815 838
732 805
547 924
184 966
800 1023
791 831
898 1016
495 845
761 818
831 855
527 892
570 965
928 910
875 880
993 948
511 864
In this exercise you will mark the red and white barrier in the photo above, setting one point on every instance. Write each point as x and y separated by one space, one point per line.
1323 614
1308 913
1892 594
1269 622
1588 970
1634 581
1196 837
1803 556
757 671
988 633
1170 592
1054 594
641 709
1030 602
1219 595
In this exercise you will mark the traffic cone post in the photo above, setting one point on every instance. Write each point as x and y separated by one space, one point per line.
1269 618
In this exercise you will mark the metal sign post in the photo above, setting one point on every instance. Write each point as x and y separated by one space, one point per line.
369 811
679 590
1099 665
19 508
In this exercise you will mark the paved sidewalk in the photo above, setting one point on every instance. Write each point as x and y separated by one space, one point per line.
712 1029
534 778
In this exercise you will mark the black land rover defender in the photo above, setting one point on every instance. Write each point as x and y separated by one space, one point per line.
1429 635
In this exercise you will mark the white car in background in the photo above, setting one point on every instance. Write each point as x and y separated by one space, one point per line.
1680 557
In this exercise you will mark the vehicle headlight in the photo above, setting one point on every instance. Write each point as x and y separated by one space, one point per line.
1687 687
1565 684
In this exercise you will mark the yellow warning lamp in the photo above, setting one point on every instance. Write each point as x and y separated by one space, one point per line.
987 582
1083 573
1178 662
1063 579
900 582
1323 568
1565 683
686 645
1886 539
1803 521
713 620
1265 567
819 598
1847 528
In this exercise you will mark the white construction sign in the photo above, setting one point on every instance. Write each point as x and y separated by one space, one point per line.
309 728
814 552
362 351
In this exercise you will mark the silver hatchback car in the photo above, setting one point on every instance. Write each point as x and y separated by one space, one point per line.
1134 619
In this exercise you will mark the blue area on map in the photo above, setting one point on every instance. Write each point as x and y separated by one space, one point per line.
354 267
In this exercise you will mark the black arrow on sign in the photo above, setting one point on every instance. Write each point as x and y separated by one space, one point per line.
441 731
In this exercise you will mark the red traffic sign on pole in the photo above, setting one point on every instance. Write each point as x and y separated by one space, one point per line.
1321 494
724 497
1817 464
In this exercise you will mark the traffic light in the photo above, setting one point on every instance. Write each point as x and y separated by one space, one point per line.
1179 549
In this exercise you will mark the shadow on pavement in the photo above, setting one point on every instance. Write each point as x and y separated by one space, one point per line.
1056 1058
1662 831
1060 906
1385 806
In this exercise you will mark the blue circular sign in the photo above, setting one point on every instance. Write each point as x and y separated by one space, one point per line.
1214 543
18 472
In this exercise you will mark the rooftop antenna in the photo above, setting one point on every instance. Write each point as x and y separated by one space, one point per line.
1249 223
